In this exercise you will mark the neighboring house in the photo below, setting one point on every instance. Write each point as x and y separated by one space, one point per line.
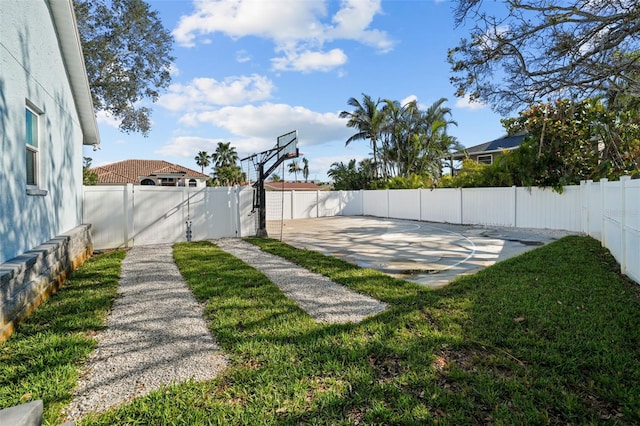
46 116
149 172
293 186
488 152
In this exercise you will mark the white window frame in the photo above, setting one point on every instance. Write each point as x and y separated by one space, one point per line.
485 156
31 149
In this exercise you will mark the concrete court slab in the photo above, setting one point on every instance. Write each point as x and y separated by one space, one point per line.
432 254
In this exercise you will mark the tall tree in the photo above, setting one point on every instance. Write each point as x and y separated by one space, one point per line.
416 138
305 169
294 168
226 171
343 175
347 177
89 177
228 176
203 159
225 155
368 120
530 50
570 141
127 53
450 145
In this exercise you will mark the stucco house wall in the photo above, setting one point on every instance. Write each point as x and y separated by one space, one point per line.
36 70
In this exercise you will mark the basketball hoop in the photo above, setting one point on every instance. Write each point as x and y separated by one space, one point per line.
265 163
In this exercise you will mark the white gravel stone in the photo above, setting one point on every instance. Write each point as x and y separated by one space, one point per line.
156 336
321 298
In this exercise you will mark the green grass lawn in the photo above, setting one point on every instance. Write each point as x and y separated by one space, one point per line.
549 337
41 359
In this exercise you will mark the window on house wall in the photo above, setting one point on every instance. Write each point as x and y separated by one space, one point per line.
168 181
192 183
147 182
32 144
485 159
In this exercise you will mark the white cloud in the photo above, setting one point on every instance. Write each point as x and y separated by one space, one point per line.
104 117
267 121
300 28
466 103
279 21
310 61
188 146
352 21
174 70
254 129
408 99
242 56
202 93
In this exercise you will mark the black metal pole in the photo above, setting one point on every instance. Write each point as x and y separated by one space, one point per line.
262 209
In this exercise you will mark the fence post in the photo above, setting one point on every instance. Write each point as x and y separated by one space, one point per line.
461 207
129 206
388 207
586 200
236 211
623 223
362 202
603 186
317 203
515 206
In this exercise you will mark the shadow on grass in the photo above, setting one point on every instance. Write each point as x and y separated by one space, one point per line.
548 337
40 360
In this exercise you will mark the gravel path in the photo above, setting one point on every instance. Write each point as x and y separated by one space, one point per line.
156 336
321 298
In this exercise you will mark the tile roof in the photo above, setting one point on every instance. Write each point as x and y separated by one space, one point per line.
130 171
296 186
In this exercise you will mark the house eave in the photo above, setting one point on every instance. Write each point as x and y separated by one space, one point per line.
67 30
469 154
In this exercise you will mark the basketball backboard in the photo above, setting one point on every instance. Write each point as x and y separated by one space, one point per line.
288 145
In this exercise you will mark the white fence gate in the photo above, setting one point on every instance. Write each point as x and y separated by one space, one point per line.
124 216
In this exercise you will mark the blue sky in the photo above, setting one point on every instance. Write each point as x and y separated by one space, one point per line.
247 71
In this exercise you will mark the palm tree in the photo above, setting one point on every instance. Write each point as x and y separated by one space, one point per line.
294 168
451 145
415 139
369 121
225 155
225 168
305 169
435 142
348 177
202 159
229 175
342 174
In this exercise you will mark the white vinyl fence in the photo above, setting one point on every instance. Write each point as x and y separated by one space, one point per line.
611 214
512 207
607 211
123 216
